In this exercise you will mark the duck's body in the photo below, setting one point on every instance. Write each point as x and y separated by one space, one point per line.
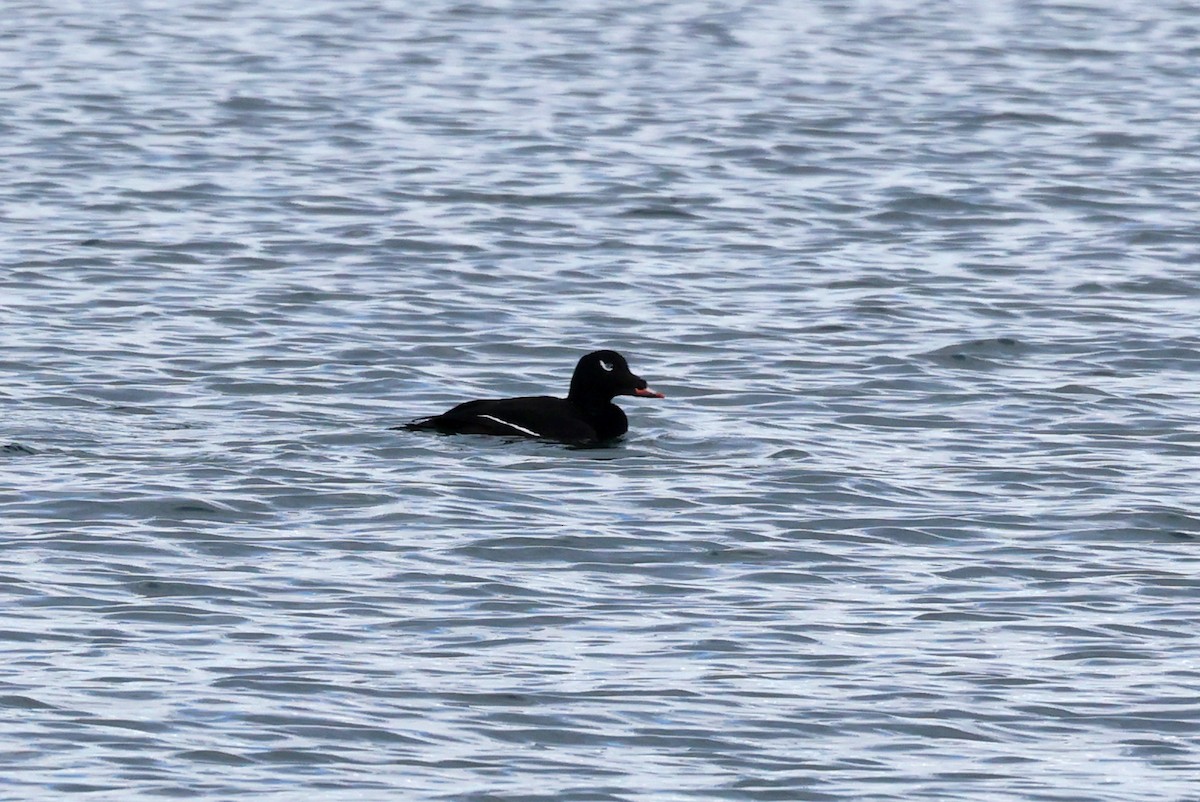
586 416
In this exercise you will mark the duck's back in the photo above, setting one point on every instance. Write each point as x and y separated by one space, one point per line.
531 416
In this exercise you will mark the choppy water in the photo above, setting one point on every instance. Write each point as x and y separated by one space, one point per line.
917 519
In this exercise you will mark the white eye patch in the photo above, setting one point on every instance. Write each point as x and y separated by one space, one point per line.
606 365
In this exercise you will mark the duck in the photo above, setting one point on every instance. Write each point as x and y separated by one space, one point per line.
587 416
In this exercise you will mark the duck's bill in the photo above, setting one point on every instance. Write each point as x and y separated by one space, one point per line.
646 392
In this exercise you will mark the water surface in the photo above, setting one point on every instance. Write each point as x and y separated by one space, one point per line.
917 519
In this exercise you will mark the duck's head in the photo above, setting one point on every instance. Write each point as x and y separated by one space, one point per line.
605 374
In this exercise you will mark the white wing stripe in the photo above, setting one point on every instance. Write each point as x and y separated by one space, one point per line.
521 429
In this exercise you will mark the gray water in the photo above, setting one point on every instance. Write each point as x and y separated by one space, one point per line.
916 520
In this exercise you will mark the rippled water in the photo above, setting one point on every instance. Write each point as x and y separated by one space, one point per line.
917 519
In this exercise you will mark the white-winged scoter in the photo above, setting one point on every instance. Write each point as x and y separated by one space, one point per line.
586 416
